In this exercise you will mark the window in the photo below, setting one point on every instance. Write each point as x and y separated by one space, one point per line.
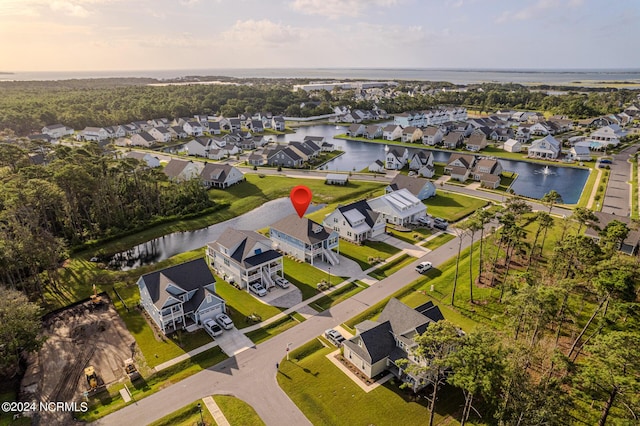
226 262
335 220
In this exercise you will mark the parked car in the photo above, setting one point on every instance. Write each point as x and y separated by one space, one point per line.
212 328
606 161
440 223
424 267
281 281
334 336
258 289
424 221
224 321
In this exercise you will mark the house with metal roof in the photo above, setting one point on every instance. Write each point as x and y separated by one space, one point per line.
245 257
379 345
181 296
399 207
305 239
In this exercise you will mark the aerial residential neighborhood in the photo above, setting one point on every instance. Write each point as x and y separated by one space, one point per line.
319 213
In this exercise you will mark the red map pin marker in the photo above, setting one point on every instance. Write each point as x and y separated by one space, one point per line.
300 198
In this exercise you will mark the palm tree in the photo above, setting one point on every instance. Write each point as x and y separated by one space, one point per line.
459 233
585 217
483 217
541 217
472 225
551 198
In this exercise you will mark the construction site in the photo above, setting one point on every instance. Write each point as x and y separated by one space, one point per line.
87 346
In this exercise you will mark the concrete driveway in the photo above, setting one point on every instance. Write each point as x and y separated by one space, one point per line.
233 341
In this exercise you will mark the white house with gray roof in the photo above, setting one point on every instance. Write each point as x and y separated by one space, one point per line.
547 147
356 222
245 257
180 296
305 239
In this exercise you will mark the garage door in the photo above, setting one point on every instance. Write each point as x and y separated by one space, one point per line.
210 313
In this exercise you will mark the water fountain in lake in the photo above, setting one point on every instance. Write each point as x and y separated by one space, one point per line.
544 171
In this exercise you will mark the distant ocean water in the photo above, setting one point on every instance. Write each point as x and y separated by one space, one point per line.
456 76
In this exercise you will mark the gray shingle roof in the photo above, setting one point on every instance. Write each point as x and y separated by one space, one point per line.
302 229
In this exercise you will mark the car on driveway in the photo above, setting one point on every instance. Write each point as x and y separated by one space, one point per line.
424 267
334 336
281 281
224 321
424 221
212 328
440 223
258 289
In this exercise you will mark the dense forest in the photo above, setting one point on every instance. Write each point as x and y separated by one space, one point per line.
79 196
25 107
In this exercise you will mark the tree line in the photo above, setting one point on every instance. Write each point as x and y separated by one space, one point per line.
26 107
79 196
562 348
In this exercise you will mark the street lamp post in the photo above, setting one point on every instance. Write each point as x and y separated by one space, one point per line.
201 418
329 276
288 347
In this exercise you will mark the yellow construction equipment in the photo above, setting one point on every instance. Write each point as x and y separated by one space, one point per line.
131 370
92 377
94 297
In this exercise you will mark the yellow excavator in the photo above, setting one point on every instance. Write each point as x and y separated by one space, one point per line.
92 377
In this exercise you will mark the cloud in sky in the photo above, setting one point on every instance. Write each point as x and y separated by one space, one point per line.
143 34
337 8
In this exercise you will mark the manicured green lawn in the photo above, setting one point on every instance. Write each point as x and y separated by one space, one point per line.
436 242
270 330
370 249
328 397
156 349
392 267
588 188
507 180
452 206
412 236
337 296
306 277
242 304
186 416
237 412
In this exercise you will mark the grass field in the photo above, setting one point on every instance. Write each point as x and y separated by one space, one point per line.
438 241
328 397
370 249
242 304
237 412
337 296
270 330
392 267
452 206
306 277
186 416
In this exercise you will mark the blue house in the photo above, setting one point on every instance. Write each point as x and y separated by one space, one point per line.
305 239
182 296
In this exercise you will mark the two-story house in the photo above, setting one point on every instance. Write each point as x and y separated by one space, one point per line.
245 257
221 176
432 135
460 166
391 132
547 147
419 187
356 222
305 239
379 345
395 158
487 172
422 161
180 296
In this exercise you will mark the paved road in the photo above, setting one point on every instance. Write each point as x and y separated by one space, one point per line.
617 197
251 375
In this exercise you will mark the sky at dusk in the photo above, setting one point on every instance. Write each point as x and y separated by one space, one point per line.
79 35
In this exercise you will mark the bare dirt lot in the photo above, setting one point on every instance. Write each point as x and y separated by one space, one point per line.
82 335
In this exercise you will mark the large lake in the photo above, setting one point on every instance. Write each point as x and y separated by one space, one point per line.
532 182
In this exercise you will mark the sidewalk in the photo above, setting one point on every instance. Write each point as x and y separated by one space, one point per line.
300 306
215 411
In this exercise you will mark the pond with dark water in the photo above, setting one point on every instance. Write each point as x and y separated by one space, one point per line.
532 182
